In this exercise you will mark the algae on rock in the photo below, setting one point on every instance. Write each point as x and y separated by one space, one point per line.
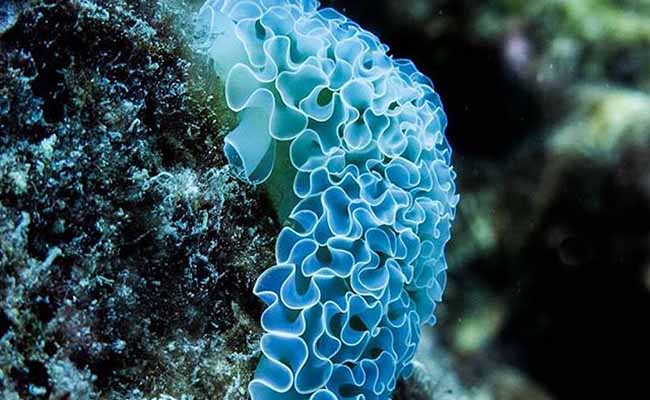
127 250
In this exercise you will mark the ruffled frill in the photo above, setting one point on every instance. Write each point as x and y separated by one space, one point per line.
361 266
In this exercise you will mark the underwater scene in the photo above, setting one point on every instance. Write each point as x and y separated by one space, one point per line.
324 200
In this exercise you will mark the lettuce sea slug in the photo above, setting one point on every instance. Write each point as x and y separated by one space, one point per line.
360 263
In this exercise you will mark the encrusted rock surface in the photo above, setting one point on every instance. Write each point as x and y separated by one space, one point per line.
127 250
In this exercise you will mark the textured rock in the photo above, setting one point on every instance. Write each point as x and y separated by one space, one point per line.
127 250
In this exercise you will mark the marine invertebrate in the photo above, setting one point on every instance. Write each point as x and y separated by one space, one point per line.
361 265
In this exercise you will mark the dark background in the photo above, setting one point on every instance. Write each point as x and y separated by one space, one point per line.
568 259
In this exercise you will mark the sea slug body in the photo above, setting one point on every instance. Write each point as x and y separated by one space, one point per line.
361 265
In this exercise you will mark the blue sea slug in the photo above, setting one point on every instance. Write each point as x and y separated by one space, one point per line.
360 264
